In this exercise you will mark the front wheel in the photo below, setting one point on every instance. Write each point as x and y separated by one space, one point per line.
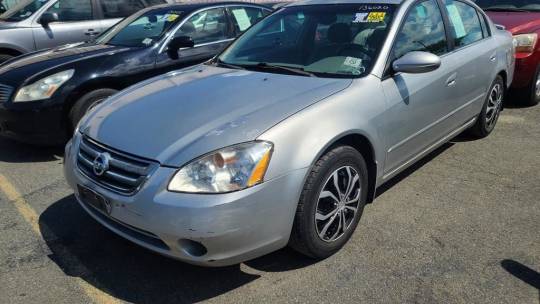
331 203
5 57
487 119
534 90
88 101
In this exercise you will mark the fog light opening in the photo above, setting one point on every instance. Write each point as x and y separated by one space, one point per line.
192 248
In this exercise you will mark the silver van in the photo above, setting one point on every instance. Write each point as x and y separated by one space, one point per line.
40 24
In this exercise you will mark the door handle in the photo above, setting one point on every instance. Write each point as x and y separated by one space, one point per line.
91 32
493 57
451 82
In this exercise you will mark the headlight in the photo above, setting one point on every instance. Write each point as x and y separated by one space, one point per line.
226 170
43 88
525 43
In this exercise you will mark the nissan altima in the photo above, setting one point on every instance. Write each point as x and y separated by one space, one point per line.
285 136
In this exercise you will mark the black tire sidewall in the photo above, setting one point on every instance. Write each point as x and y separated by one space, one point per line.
532 98
5 57
341 156
82 105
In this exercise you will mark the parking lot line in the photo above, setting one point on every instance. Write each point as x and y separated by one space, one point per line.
31 217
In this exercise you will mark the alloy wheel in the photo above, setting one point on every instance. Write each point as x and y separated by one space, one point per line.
494 104
337 205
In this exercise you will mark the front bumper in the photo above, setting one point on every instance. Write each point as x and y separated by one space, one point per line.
232 227
42 126
526 65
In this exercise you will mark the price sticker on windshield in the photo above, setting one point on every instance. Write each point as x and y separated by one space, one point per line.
171 17
376 17
372 17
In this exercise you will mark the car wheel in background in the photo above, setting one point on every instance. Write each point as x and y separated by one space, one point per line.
5 57
490 111
87 102
331 203
533 91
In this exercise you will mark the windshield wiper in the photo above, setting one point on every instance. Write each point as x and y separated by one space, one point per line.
297 71
218 62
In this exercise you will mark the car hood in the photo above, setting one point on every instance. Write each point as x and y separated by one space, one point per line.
517 22
185 114
71 53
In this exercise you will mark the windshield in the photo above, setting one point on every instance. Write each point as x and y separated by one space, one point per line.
141 30
316 40
510 5
23 10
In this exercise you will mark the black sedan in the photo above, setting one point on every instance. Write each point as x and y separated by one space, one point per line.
44 94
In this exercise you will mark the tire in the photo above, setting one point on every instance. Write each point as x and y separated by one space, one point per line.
533 91
5 57
86 102
309 235
488 117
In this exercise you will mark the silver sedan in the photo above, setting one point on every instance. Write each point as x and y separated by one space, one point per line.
284 138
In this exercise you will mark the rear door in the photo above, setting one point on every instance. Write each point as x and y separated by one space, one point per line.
76 23
475 53
112 11
419 105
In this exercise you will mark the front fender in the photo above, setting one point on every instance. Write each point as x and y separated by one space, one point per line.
302 139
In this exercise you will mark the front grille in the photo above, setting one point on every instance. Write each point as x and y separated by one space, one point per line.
5 92
125 175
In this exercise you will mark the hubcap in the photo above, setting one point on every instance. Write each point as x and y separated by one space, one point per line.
338 204
494 105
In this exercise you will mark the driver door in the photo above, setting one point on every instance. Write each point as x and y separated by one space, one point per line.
76 24
419 105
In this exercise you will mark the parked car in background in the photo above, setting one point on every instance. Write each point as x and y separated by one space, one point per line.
284 137
522 19
44 94
41 24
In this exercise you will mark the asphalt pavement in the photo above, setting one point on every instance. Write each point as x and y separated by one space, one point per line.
461 226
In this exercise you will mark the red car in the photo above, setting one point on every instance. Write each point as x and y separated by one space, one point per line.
522 19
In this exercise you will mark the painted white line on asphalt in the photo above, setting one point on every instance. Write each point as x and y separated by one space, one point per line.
31 217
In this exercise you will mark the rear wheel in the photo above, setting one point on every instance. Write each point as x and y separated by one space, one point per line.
487 119
87 102
331 203
5 57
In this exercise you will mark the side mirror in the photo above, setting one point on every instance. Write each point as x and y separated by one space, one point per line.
177 43
47 18
500 27
417 63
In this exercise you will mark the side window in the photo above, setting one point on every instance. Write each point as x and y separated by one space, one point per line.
423 30
465 23
207 26
120 8
72 10
244 17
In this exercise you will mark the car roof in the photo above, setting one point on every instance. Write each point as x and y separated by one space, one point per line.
196 5
321 2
